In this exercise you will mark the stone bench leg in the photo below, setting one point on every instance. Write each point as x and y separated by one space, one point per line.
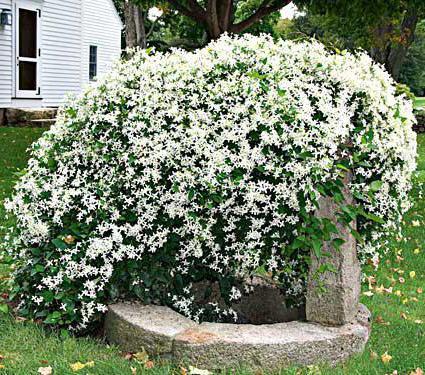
338 302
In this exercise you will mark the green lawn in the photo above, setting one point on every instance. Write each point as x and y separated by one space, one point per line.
399 316
420 102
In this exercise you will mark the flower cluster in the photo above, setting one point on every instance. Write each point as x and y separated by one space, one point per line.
198 166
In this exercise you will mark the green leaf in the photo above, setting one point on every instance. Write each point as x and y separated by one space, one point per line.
317 247
59 244
375 185
4 308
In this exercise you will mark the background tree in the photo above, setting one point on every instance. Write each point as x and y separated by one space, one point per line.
384 27
413 70
176 28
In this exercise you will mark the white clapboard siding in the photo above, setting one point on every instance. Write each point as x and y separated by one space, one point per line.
102 28
68 28
61 41
6 62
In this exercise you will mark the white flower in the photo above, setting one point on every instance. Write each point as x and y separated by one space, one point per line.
154 13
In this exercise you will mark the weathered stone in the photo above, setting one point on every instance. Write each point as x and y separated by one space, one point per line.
269 347
2 117
152 328
265 304
24 116
161 331
333 297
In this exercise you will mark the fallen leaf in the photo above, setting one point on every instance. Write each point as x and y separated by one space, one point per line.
183 371
128 356
77 366
419 290
414 299
403 315
373 355
197 371
416 223
386 358
388 290
133 370
412 274
397 293
380 320
380 289
416 251
399 259
149 364
142 356
2 366
368 294
418 321
45 370
418 371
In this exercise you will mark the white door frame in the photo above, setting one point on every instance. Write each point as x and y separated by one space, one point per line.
36 7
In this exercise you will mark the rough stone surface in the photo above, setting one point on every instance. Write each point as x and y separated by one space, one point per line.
25 116
333 297
136 327
2 117
218 346
264 305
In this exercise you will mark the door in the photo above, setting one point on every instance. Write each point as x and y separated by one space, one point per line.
27 49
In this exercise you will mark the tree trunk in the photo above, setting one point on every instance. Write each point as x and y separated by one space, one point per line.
391 54
398 53
135 33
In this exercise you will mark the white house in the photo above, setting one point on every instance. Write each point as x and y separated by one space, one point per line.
52 47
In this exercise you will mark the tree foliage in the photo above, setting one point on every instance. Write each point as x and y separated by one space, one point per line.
385 28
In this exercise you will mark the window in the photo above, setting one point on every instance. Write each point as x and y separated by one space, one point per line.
93 63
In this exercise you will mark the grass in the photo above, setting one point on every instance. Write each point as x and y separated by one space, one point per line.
399 317
419 102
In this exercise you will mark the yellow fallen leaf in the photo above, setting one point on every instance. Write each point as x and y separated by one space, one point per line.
412 274
2 366
418 321
45 370
405 301
133 370
414 299
397 293
77 366
416 223
142 356
379 289
418 371
386 358
368 294
416 251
